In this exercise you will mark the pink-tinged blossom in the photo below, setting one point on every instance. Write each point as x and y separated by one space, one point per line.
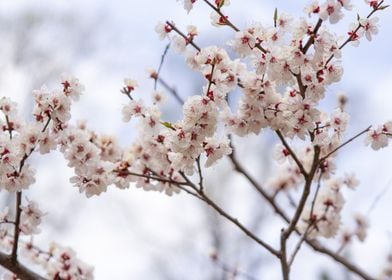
14 181
188 4
369 26
71 86
284 22
346 4
312 8
373 3
133 109
331 10
325 220
216 149
130 84
179 43
163 29
362 226
94 179
65 265
339 120
244 42
281 153
288 179
218 20
8 107
47 142
30 218
376 138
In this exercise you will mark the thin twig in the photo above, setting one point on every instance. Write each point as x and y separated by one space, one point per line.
200 174
305 193
17 268
173 27
9 128
156 178
292 154
233 220
231 25
171 90
350 38
160 65
344 144
309 227
314 34
379 196
18 211
224 17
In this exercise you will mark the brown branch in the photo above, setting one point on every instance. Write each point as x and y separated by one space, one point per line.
231 25
302 88
351 267
233 271
18 211
173 27
156 178
344 144
160 65
171 90
283 256
9 128
299 244
233 220
313 244
350 38
219 12
305 193
239 225
19 269
200 174
292 154
310 42
310 225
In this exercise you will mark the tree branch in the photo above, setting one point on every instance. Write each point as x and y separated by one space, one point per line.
17 268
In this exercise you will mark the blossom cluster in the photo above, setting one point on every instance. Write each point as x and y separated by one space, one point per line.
282 71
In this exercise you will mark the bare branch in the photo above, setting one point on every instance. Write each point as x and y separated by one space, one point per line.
292 154
160 65
17 268
344 144
172 26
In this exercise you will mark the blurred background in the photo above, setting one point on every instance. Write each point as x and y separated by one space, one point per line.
132 234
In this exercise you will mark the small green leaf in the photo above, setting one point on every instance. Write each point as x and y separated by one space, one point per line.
168 125
383 7
275 17
220 3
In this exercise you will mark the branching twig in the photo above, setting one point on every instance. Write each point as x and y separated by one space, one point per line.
18 211
310 225
17 268
314 34
160 65
200 174
233 220
344 144
219 12
173 27
171 90
230 24
350 38
292 154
